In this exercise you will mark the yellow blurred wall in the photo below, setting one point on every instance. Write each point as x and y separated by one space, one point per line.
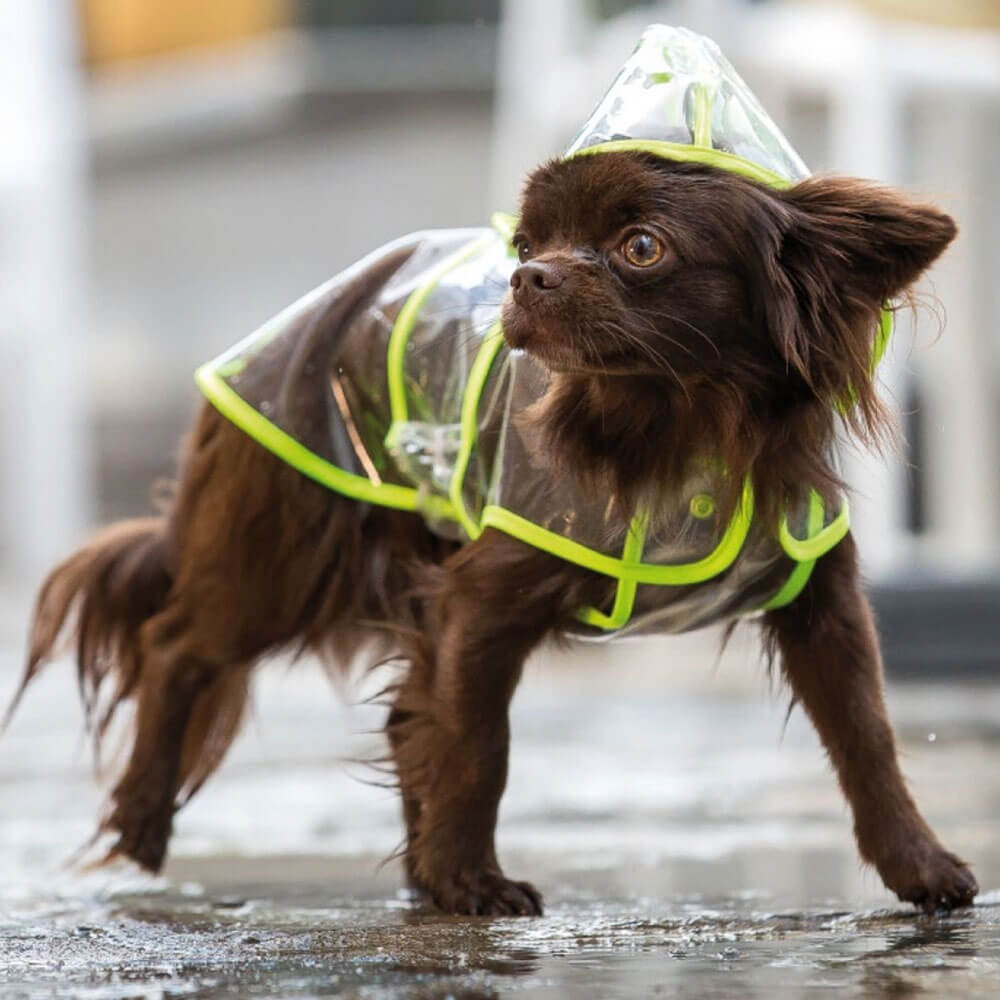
117 30
958 13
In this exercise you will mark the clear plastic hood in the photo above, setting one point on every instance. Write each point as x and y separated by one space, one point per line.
677 87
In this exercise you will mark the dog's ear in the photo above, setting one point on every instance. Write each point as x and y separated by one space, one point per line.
838 250
870 239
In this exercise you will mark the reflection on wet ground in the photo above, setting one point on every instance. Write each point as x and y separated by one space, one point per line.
279 939
686 843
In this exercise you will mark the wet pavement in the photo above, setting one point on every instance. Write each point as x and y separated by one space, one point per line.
686 843
331 934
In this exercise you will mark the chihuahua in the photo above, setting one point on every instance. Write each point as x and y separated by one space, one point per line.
670 311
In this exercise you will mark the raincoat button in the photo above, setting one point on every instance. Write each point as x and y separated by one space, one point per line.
702 506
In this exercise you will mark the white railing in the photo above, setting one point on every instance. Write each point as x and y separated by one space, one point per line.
902 103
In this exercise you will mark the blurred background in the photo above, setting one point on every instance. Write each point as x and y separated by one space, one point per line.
173 174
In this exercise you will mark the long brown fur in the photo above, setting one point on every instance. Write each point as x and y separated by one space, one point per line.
748 342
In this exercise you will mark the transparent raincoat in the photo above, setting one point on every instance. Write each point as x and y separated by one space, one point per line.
413 404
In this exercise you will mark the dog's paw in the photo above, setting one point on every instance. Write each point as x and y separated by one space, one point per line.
930 877
143 831
486 894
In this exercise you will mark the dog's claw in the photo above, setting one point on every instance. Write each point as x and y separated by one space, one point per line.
956 889
936 880
487 894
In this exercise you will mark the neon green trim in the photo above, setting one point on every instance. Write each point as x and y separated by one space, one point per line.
403 326
235 408
882 337
505 224
684 153
799 576
881 342
804 549
478 374
702 131
435 506
230 368
541 538
714 563
792 587
621 610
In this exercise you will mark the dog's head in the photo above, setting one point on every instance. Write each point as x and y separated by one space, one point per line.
684 281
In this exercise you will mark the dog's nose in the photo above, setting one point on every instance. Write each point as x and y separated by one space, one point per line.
532 280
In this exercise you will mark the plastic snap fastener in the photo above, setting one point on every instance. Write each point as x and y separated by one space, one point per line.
702 506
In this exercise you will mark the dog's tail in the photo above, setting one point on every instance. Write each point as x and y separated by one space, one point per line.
102 595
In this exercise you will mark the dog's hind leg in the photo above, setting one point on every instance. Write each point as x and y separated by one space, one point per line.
188 709
263 559
830 657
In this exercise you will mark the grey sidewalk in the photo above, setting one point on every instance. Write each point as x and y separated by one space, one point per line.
682 842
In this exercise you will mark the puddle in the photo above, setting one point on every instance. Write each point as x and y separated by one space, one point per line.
686 843
301 940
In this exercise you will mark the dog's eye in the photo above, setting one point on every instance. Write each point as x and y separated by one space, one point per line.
523 250
642 250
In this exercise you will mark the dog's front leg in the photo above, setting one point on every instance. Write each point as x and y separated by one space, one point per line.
492 604
451 755
830 657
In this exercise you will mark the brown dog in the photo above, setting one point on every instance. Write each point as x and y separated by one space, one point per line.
678 311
